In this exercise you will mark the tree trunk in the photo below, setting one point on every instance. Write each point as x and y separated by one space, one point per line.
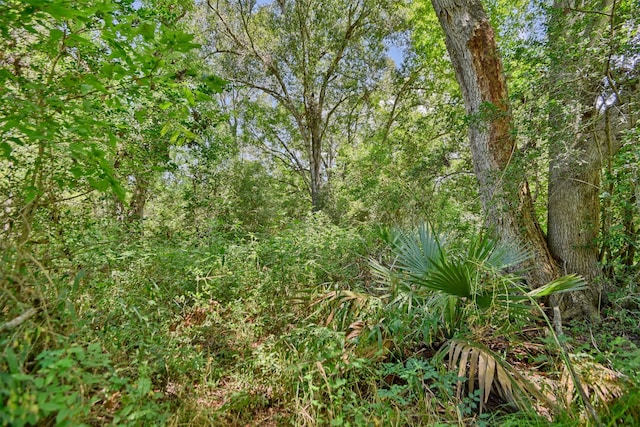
581 139
573 221
313 114
504 191
630 231
316 177
138 201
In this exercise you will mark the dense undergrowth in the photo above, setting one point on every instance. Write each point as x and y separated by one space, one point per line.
286 328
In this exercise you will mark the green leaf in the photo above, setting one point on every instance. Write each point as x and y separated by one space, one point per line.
484 300
55 35
147 31
94 83
215 83
187 133
98 184
569 283
30 194
117 189
143 385
203 97
174 136
65 363
77 171
189 95
416 251
140 115
6 75
5 150
180 41
12 360
59 10
63 415
450 277
49 407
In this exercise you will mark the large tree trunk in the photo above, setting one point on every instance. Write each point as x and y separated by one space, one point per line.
581 139
504 191
573 220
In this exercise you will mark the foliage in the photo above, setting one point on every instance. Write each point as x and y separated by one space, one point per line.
68 386
62 65
465 281
471 286
308 66
157 268
619 240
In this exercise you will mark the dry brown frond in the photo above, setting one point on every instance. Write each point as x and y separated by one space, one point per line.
602 385
480 365
343 305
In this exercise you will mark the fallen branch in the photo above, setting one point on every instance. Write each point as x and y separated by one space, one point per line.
20 319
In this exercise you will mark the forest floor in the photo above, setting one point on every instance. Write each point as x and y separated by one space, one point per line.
289 329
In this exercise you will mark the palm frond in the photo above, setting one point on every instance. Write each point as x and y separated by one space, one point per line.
415 251
449 276
481 366
486 251
602 385
343 307
381 273
569 283
514 304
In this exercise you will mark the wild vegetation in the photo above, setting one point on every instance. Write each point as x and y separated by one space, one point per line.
294 212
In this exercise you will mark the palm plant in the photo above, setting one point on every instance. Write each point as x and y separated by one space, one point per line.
465 288
429 271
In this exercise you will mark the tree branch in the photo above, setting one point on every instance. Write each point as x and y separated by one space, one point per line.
19 320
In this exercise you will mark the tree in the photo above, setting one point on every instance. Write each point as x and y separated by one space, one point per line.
504 189
585 134
74 82
590 107
312 60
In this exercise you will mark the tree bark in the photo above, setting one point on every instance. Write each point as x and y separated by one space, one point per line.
504 190
138 200
582 138
573 221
